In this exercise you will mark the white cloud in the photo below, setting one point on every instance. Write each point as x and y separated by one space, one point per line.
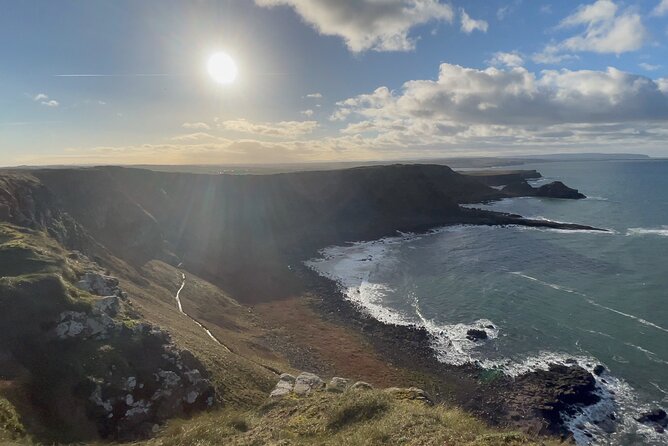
44 100
314 96
469 25
197 136
368 24
513 59
504 11
284 129
308 113
467 107
661 9
196 126
607 30
648 67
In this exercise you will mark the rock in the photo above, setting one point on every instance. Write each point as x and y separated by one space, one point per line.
656 417
72 324
307 383
549 393
338 385
361 385
475 335
558 189
607 426
287 377
284 386
598 370
109 305
519 188
99 284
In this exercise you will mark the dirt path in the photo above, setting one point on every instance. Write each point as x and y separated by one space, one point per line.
178 303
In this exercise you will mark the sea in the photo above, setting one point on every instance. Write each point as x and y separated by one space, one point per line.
543 296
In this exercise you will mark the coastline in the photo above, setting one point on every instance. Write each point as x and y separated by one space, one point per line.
555 395
489 394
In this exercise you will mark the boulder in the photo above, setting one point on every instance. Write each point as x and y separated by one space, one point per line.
307 383
284 386
338 385
475 335
656 418
361 385
598 370
109 305
99 284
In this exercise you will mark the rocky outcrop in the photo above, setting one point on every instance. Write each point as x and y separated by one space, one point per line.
338 385
284 386
494 177
656 418
131 404
556 189
475 335
547 394
151 381
307 383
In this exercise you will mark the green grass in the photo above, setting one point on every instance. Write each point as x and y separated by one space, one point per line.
353 419
10 423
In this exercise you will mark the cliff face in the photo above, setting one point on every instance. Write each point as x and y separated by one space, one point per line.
220 225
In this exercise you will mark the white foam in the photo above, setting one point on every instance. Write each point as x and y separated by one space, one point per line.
618 398
353 266
662 231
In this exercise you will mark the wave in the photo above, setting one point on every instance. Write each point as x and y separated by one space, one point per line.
590 301
650 354
353 267
662 231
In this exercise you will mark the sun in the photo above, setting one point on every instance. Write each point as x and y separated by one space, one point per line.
222 68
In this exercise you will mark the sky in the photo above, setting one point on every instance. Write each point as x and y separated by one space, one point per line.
126 81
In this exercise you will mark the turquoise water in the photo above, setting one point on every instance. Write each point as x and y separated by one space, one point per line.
550 295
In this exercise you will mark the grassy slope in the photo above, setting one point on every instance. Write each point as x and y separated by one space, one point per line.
352 419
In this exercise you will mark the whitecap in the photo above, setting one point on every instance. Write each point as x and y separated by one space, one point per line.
662 231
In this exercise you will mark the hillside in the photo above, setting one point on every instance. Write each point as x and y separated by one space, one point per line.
95 347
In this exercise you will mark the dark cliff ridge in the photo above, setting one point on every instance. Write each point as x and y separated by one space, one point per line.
243 230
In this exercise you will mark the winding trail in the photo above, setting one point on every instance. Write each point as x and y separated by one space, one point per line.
178 303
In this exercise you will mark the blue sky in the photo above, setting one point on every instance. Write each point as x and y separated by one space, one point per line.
329 80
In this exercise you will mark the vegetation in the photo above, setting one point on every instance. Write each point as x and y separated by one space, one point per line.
352 419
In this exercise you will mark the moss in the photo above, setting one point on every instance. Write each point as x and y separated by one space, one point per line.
10 423
357 408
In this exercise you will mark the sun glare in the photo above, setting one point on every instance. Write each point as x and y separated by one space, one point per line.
222 68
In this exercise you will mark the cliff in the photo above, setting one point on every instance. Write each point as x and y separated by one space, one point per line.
223 226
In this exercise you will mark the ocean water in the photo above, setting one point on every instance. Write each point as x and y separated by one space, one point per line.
542 295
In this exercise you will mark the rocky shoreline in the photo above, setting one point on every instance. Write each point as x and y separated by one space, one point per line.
532 402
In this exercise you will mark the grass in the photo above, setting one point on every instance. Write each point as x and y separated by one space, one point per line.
10 423
353 419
